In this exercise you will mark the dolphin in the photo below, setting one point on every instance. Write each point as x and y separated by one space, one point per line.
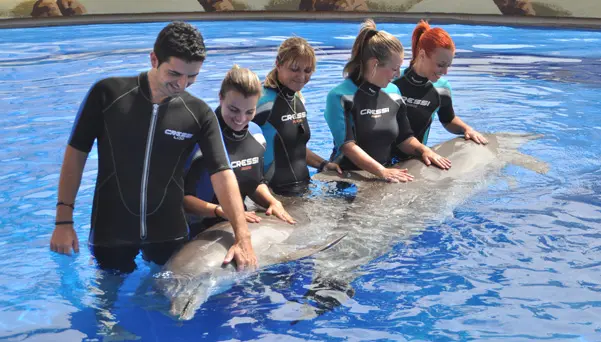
196 271
383 214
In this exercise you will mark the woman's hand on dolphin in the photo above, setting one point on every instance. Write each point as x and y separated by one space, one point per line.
242 252
395 175
471 134
430 157
333 167
64 238
277 209
252 217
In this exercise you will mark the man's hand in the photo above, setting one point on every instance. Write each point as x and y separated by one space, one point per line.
64 239
243 254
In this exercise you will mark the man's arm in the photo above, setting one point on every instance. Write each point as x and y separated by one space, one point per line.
64 237
228 194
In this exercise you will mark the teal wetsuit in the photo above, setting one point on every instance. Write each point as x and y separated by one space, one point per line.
282 116
372 117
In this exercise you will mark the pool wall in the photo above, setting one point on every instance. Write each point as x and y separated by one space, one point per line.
548 13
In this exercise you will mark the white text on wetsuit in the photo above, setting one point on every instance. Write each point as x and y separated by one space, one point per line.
178 135
244 162
378 111
415 102
295 116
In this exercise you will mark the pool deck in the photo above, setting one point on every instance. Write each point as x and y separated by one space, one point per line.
436 18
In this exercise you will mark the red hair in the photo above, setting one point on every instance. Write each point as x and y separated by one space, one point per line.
429 39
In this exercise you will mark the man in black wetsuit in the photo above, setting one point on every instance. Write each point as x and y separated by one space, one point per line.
146 126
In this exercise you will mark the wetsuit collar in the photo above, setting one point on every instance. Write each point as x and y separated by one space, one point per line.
286 92
366 87
227 131
414 78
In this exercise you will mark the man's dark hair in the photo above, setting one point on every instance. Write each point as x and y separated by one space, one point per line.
180 40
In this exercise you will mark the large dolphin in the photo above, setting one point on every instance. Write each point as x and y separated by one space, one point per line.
381 215
384 214
196 271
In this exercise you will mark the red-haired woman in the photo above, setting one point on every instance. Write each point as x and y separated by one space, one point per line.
423 89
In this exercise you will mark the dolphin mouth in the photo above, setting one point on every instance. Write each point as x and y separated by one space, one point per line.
185 313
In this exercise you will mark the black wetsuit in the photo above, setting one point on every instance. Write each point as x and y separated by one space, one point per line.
372 117
424 99
282 116
142 149
246 151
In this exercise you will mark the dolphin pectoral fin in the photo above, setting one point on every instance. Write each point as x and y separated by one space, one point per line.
529 162
117 333
354 177
327 294
515 136
308 251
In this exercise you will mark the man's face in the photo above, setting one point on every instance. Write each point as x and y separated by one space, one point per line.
174 75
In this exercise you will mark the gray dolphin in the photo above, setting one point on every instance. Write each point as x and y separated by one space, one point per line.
195 272
384 214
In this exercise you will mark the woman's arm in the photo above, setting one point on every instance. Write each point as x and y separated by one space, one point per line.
264 198
365 162
314 160
457 126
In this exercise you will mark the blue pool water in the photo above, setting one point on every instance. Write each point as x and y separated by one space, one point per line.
517 261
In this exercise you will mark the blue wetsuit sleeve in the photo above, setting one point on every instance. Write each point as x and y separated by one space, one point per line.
264 107
197 181
338 119
211 144
446 113
89 121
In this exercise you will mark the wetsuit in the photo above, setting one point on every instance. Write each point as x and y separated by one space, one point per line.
424 99
142 149
282 116
372 117
246 151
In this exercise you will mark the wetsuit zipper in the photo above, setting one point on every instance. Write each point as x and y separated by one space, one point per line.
145 171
